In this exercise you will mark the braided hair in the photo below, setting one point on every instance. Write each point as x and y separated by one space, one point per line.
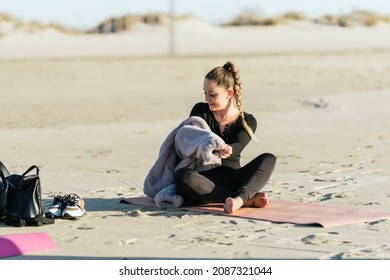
228 77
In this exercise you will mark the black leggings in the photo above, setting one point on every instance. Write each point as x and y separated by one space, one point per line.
216 184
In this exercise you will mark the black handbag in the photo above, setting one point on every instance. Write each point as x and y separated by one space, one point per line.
24 200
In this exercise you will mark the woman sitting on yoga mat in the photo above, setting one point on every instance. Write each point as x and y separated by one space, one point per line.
230 183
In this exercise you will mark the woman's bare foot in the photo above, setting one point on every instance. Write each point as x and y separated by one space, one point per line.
232 204
259 200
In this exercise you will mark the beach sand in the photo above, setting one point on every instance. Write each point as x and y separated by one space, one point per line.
92 111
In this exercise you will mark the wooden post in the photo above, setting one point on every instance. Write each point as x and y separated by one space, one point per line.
172 38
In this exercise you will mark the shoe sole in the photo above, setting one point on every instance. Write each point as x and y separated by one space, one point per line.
51 216
71 217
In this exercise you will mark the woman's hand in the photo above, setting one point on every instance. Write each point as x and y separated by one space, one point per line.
226 151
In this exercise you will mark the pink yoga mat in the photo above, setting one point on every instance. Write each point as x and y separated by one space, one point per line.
285 211
24 243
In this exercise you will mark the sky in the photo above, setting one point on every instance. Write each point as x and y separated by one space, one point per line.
89 13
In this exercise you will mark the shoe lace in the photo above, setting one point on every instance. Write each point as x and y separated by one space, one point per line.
72 199
57 200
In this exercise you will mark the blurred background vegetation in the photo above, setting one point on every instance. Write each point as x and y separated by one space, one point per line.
246 18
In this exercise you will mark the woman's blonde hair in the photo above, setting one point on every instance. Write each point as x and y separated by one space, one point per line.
228 77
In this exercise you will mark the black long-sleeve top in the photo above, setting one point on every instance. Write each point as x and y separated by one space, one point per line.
234 134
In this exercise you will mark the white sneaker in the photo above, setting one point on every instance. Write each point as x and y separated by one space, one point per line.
74 207
56 208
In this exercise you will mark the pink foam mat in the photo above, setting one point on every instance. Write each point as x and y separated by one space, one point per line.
24 243
285 211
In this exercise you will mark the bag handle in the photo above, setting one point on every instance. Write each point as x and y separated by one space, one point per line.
30 169
5 182
4 169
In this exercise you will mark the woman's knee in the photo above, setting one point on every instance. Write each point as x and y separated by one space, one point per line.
189 181
268 160
183 176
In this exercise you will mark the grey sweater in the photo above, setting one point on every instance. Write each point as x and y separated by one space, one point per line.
197 147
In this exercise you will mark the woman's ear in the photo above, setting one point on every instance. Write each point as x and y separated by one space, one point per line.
230 92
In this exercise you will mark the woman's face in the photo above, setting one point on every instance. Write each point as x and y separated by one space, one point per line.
217 97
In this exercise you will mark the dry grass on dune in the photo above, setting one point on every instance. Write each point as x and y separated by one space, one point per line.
124 23
253 19
32 26
361 18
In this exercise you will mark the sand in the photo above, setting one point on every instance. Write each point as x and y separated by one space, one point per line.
92 111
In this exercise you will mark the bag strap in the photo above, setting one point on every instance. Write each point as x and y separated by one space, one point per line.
3 177
4 169
30 169
5 182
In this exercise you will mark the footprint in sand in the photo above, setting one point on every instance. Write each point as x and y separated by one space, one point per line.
376 222
372 203
319 239
137 214
341 195
164 237
204 240
84 227
128 241
112 171
314 240
325 197
98 152
230 222
68 239
368 252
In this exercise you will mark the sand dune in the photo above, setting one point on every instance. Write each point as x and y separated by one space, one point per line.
193 37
